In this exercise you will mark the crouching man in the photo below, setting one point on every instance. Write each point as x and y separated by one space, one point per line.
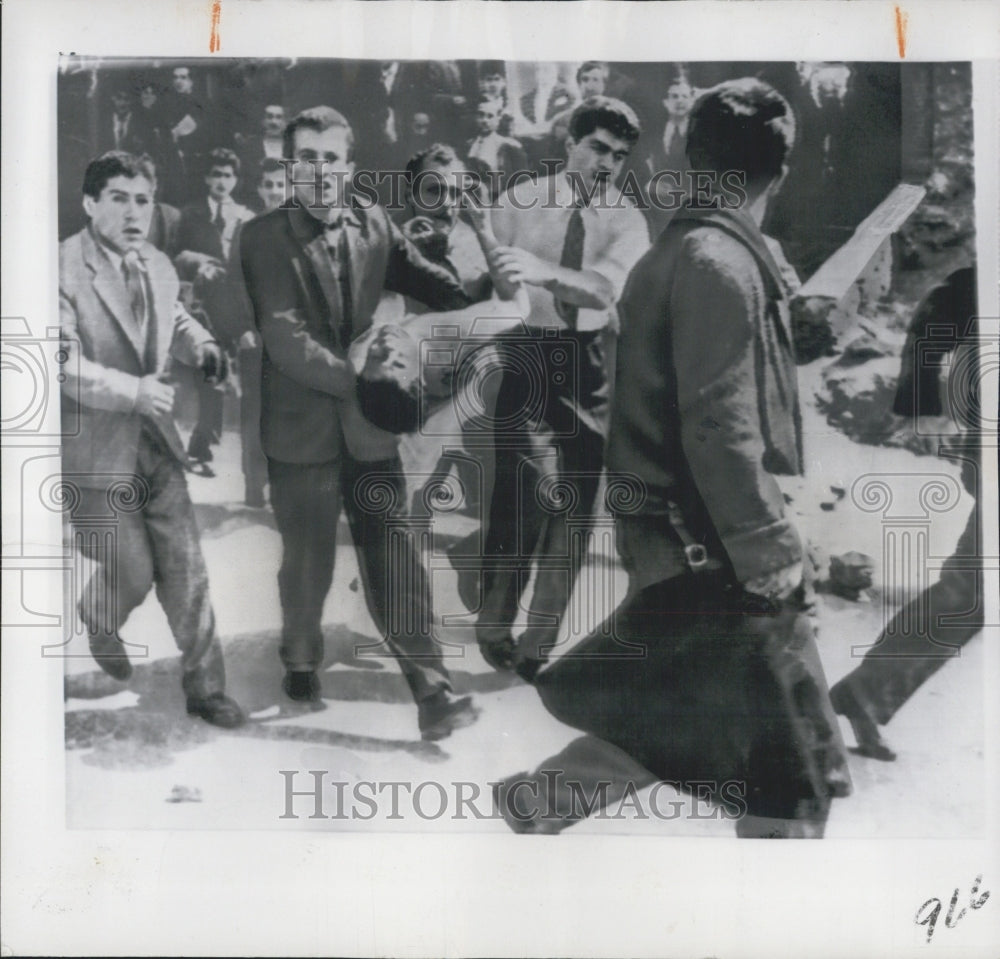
708 672
119 313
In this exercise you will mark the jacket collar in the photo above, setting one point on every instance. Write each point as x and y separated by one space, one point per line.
741 225
110 288
306 227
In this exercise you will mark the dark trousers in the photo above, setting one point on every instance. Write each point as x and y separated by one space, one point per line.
551 421
159 546
686 683
307 500
254 461
208 430
926 633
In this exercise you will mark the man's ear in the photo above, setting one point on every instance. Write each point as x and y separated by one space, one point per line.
570 143
88 205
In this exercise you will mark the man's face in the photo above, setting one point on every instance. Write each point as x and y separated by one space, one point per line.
488 116
437 192
147 97
421 125
492 85
274 121
182 80
271 189
121 102
592 83
678 101
322 155
121 214
220 182
597 155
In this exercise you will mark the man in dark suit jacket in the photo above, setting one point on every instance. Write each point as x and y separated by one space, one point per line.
254 149
123 130
314 271
121 321
204 237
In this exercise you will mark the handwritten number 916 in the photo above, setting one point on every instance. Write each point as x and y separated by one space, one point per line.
927 914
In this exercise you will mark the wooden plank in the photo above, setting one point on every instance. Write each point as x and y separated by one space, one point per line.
838 274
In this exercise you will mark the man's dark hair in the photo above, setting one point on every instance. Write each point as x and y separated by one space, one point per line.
268 165
743 125
318 119
437 153
388 405
593 65
606 113
115 163
221 156
489 68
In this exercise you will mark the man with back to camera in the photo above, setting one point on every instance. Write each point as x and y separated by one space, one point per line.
119 313
601 235
708 673
315 270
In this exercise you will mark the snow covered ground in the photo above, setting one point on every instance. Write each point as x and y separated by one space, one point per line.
136 761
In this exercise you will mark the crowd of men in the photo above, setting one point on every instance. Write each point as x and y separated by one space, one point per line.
275 265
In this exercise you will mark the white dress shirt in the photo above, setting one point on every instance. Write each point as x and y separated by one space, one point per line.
616 236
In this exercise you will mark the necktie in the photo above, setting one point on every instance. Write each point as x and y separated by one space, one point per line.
219 223
132 272
572 259
342 261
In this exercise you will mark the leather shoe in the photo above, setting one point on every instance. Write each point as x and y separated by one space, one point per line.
109 653
499 653
302 686
870 742
519 819
217 709
441 714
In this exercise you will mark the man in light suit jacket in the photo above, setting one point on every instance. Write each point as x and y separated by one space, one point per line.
315 270
120 316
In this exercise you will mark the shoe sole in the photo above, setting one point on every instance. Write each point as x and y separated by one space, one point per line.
446 726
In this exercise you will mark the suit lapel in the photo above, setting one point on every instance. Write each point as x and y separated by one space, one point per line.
322 266
161 321
110 287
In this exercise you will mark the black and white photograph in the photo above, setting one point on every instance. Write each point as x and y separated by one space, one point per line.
584 445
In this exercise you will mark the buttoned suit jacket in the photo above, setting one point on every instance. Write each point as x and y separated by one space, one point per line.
310 412
108 356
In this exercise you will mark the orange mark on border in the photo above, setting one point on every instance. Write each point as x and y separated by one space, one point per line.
901 21
213 40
